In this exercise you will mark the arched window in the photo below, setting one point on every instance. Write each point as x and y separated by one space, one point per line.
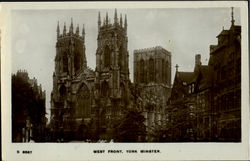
151 70
123 95
163 71
167 68
77 60
121 58
142 71
83 107
107 53
65 62
62 92
105 89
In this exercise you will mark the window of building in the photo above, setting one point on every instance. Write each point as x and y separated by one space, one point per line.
65 62
105 89
107 60
223 73
62 92
151 70
83 107
122 93
142 71
163 70
121 58
77 62
167 72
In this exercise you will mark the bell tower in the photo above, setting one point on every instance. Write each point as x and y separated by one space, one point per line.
70 60
112 54
70 51
112 72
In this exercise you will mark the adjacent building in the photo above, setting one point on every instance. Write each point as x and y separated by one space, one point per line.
205 105
180 111
28 109
225 65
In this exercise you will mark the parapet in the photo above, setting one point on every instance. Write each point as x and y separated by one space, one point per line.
145 50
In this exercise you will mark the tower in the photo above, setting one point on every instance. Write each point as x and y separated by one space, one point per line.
112 72
152 65
152 72
70 62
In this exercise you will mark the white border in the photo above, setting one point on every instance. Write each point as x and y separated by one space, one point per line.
84 151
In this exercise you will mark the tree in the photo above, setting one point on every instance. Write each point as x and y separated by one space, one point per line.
130 128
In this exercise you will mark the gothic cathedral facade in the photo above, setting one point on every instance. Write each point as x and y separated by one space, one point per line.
82 96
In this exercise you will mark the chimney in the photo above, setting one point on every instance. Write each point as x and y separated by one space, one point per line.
197 62
197 59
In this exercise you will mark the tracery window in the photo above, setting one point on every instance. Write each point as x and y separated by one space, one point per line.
107 53
77 60
83 108
62 92
163 71
167 72
105 89
121 58
151 70
65 62
122 93
142 71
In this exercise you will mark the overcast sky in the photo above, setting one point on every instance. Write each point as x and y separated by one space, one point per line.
183 32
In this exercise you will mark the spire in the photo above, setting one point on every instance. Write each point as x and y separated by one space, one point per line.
107 18
71 27
125 23
77 29
99 21
58 29
83 31
115 18
104 21
120 19
64 29
232 15
176 67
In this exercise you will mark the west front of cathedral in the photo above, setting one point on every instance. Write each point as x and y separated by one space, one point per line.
86 101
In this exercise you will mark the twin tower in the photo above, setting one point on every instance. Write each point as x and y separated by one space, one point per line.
82 95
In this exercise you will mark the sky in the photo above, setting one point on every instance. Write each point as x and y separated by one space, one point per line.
183 32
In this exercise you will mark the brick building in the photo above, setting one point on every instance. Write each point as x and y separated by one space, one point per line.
213 91
180 112
225 63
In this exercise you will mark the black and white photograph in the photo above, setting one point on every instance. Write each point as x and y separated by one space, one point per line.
170 75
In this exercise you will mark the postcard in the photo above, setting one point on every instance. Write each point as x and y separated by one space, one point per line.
125 80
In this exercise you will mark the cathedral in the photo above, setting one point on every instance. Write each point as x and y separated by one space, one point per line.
83 97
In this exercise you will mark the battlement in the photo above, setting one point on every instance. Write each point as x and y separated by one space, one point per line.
145 50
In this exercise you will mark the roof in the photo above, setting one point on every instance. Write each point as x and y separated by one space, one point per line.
202 78
223 33
185 76
204 70
151 49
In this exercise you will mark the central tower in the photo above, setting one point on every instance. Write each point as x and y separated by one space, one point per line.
112 72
